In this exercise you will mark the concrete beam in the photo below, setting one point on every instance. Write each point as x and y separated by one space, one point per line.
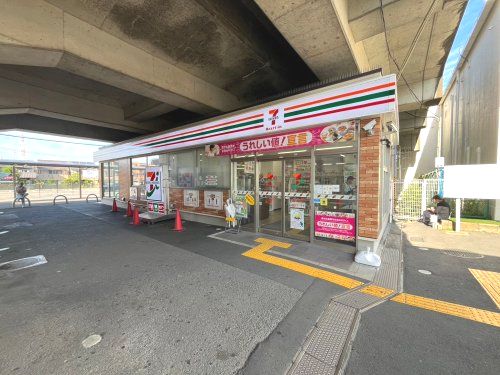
34 28
316 33
146 109
424 91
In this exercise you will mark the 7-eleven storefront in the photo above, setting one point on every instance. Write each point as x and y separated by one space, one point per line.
314 167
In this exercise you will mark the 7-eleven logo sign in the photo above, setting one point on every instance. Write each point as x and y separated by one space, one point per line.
273 119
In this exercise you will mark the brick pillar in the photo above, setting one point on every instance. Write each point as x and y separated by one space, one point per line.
368 181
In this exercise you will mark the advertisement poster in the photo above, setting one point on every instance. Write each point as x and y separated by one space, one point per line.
326 189
210 180
157 208
333 133
249 167
191 198
133 193
213 200
336 225
297 218
154 191
241 206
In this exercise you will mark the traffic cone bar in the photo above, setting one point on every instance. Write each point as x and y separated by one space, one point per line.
136 220
129 209
114 207
178 222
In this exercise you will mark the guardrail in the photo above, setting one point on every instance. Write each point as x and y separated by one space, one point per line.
20 200
57 196
95 195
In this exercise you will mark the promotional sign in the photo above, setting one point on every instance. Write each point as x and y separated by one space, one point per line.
336 225
211 180
333 133
133 192
326 189
154 191
249 167
157 208
213 200
241 206
297 218
249 199
191 198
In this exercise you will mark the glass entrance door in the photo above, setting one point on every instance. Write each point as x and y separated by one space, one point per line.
244 181
271 196
297 198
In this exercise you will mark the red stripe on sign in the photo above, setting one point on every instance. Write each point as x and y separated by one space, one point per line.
341 110
199 130
211 135
342 95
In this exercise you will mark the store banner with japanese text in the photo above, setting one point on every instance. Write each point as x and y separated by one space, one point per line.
335 225
333 133
154 188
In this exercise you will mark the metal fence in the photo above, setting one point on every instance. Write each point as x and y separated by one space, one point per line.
410 200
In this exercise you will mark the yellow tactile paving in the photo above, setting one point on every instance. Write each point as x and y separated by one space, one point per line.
490 281
461 311
377 291
258 253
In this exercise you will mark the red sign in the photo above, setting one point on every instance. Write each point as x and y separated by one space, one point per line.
333 133
336 225
158 208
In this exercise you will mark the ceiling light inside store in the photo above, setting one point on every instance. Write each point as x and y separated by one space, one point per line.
327 163
332 148
339 163
342 155
291 152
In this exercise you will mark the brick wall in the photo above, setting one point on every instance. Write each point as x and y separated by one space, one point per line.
176 196
368 182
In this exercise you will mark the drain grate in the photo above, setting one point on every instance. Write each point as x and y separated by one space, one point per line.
463 254
23 263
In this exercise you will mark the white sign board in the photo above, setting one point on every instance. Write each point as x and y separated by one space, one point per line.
154 190
475 181
213 199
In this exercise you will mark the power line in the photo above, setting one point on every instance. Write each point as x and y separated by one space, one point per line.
49 140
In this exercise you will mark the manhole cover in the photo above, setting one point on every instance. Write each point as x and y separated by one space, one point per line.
20 264
463 254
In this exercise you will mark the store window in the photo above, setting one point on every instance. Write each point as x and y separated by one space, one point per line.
182 167
114 179
105 180
335 198
213 171
138 171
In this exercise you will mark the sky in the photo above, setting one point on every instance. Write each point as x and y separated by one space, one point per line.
22 145
36 146
471 15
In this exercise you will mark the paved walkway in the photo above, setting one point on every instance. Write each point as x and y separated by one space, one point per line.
203 301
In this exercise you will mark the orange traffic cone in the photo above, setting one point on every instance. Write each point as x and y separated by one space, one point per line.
178 222
136 220
129 210
115 207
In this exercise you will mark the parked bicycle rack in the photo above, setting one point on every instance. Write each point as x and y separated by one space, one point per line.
90 195
20 200
57 196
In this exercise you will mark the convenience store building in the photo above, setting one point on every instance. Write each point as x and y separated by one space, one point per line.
316 166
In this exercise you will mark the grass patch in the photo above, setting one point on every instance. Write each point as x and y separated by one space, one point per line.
477 221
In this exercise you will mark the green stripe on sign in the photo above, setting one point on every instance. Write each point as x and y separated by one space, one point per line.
184 137
342 102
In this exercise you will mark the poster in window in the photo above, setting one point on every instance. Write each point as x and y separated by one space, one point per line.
191 198
185 178
335 225
297 218
154 191
213 200
241 206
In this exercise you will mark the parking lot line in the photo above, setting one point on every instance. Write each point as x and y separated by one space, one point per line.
461 311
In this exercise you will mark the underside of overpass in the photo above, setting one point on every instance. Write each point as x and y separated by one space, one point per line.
116 69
